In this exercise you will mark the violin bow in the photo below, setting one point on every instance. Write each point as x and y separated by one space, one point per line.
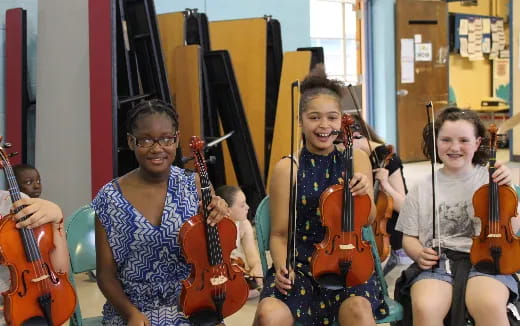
433 160
290 262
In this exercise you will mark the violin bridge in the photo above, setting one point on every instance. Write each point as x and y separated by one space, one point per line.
219 280
494 235
41 278
347 246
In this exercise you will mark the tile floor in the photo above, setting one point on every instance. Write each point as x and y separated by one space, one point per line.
91 299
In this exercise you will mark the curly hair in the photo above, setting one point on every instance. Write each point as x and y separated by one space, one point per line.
481 156
149 107
316 83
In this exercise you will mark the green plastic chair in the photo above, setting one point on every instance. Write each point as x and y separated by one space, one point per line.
263 227
82 249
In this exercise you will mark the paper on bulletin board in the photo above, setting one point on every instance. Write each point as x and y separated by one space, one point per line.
486 25
463 46
407 61
423 52
463 27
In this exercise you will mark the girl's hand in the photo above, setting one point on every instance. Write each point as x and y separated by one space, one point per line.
381 174
427 258
282 279
137 318
359 184
218 210
43 211
502 174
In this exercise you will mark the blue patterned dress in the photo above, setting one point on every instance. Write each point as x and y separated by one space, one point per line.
309 303
150 264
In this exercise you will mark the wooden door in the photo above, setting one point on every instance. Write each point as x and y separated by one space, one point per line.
421 69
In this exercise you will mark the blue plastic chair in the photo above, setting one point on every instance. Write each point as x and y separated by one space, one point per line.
263 229
82 249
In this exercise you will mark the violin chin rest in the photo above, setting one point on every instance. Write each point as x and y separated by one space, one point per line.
35 321
331 281
205 318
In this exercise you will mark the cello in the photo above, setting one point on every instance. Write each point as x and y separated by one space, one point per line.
497 249
343 258
216 288
38 295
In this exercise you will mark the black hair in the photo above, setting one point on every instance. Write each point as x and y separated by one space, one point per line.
452 113
228 193
17 169
371 132
316 83
150 107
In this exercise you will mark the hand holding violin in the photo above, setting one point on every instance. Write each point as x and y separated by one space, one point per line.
218 209
41 212
359 184
381 174
502 174
427 258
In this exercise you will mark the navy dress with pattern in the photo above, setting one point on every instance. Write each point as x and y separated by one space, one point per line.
150 264
309 303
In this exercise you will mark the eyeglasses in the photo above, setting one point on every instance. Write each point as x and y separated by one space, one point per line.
146 142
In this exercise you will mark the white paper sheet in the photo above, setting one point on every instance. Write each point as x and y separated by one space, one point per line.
407 61
423 52
463 27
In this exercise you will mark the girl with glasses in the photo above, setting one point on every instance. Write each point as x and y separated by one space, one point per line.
138 216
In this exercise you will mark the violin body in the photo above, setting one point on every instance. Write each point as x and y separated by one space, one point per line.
339 249
384 208
497 249
198 292
21 301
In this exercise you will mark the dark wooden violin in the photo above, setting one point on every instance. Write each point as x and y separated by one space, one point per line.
215 288
384 209
38 295
496 250
343 258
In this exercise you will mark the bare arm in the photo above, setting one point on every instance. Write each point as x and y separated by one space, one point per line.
393 185
279 212
362 166
108 282
60 254
251 251
424 257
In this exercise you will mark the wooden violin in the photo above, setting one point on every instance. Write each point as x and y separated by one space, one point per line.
343 258
38 295
215 288
384 209
496 250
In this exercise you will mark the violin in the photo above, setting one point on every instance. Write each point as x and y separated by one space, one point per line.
215 288
343 258
384 208
38 295
496 250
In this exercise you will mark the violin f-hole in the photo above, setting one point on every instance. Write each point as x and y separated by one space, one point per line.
24 284
52 277
203 279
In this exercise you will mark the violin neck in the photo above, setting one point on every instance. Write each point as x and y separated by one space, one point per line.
212 236
493 189
347 221
14 190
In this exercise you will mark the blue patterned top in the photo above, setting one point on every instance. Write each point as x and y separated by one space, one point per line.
149 260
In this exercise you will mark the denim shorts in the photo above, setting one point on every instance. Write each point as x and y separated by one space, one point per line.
440 273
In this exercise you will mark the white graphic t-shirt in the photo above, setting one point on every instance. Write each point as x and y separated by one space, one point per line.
454 210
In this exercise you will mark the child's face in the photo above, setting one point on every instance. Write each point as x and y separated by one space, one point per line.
457 144
321 116
155 127
239 208
30 183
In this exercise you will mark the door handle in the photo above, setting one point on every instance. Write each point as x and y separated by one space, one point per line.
402 92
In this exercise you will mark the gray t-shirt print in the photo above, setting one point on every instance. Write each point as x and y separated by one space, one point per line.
454 210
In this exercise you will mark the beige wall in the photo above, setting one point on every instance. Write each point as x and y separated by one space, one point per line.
472 80
63 128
